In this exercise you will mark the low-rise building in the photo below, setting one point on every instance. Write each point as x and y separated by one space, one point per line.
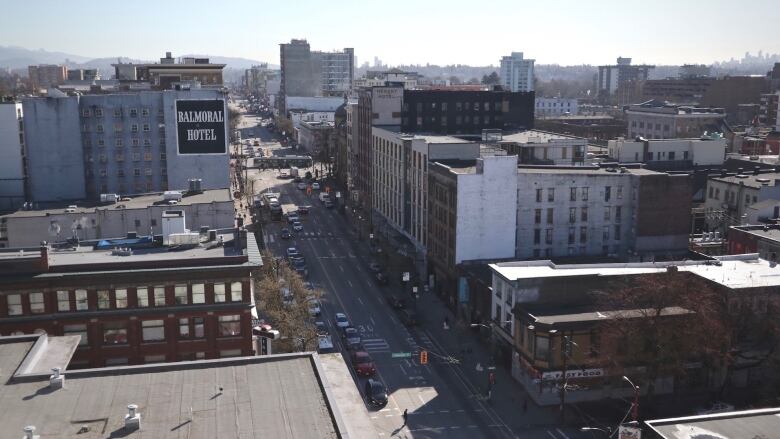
534 147
730 424
381 78
554 107
660 120
728 197
316 137
46 75
595 127
670 154
165 74
298 116
763 239
134 300
91 220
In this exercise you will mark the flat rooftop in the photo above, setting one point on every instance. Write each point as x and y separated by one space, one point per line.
750 180
135 202
536 136
459 166
581 170
736 271
552 316
278 396
762 423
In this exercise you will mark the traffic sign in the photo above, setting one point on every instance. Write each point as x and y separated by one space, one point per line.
401 355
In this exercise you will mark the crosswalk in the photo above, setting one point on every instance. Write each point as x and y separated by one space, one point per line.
375 345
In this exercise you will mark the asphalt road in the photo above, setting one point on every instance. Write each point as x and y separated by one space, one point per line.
440 399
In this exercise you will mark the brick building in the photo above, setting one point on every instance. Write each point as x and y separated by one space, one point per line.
133 301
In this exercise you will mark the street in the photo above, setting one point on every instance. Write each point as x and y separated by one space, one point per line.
443 398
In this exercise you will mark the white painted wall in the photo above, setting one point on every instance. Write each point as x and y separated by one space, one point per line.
556 106
486 210
700 152
11 168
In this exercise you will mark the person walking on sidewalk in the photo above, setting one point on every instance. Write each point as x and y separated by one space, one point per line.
405 416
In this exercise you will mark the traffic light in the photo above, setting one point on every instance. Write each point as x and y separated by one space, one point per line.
423 357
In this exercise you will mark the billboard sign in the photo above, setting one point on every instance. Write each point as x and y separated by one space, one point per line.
200 126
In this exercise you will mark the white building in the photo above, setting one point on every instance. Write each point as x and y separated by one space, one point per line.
517 73
12 175
296 117
551 107
659 120
213 209
699 152
544 148
728 198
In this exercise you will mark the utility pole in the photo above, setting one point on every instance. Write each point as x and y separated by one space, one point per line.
566 348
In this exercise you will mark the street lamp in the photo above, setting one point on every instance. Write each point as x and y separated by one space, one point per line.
606 431
635 403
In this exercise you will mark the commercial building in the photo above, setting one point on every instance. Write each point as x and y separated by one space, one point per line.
380 78
536 147
554 107
694 71
302 395
125 143
538 303
763 239
83 75
689 90
316 137
595 127
13 177
87 221
298 116
165 74
46 75
134 301
307 73
729 196
517 73
670 154
660 120
620 83
613 212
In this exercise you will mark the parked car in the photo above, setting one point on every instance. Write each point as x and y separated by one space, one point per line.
297 226
324 344
376 393
286 233
396 301
352 337
321 328
303 210
363 364
314 307
292 252
299 264
341 320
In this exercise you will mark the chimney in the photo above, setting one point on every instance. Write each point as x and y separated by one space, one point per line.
44 256
756 170
29 432
56 380
132 418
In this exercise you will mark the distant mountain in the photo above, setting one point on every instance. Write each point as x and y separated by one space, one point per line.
233 62
18 57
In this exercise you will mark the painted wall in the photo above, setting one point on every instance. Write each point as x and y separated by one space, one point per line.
11 168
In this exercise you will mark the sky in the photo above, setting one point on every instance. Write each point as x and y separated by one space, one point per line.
565 32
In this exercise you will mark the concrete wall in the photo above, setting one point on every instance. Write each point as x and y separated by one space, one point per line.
699 152
11 167
213 169
486 219
29 231
54 148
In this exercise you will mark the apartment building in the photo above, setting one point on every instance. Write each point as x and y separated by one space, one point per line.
46 75
668 154
125 143
729 196
133 301
554 107
517 73
660 120
13 183
619 83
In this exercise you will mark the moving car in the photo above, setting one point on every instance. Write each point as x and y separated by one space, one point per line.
341 320
324 343
315 186
286 233
328 204
303 210
292 218
363 364
292 252
352 337
299 264
314 307
376 393
297 226
321 328
302 186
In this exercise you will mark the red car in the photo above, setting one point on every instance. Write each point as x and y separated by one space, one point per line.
363 363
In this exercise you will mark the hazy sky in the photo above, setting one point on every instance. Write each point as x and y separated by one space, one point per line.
402 31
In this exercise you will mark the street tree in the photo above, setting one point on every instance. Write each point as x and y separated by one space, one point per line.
283 301
491 79
663 322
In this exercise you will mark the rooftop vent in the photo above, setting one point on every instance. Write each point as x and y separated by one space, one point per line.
56 380
29 432
195 185
132 418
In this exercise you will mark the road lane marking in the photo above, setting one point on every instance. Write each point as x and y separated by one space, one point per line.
551 434
561 433
341 268
402 368
350 285
372 321
359 300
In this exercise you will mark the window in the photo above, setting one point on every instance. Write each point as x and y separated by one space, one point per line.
236 292
584 194
549 215
620 192
537 236
551 195
685 155
63 300
219 293
572 235
180 295
573 194
607 212
117 112
159 296
136 156
82 302
134 128
103 299
184 328
229 325
537 216
142 294
153 330
163 156
137 173
542 351
114 333
80 330
617 232
548 234
618 213
148 171
99 128
583 234
197 326
144 111
147 142
198 293
538 195
605 233
37 306
607 193
118 142
583 214
14 304
120 294
572 214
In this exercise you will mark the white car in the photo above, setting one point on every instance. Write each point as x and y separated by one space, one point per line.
315 186
341 320
302 186
297 226
314 307
324 343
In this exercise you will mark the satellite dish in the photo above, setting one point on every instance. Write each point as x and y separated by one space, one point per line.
54 228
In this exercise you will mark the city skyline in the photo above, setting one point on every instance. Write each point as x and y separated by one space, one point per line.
567 39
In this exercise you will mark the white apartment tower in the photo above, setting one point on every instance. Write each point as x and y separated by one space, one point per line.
517 74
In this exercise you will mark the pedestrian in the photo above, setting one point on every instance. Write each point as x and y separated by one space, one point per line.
405 415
